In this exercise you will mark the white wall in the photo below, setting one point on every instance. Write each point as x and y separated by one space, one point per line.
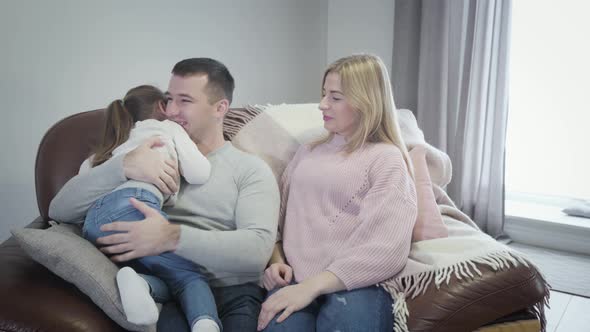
360 26
62 57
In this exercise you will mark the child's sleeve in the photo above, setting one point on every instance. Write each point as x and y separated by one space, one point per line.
192 164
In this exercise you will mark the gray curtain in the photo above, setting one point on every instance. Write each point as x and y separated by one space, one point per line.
450 67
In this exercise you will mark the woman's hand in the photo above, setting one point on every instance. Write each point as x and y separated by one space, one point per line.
277 275
288 299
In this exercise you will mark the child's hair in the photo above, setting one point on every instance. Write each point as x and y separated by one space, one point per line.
140 103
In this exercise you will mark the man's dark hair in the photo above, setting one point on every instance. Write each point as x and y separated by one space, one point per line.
220 83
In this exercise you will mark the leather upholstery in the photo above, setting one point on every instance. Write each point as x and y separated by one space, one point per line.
468 305
61 152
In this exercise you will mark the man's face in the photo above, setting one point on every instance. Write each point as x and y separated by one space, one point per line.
188 105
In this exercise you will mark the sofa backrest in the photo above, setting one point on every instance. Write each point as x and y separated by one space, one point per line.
61 152
65 146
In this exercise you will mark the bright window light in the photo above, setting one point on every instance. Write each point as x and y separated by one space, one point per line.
548 137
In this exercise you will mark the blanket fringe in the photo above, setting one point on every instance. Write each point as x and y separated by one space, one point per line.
539 308
415 285
400 310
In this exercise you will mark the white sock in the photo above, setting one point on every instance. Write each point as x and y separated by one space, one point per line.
139 306
205 325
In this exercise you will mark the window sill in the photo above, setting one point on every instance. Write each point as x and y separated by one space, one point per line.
539 221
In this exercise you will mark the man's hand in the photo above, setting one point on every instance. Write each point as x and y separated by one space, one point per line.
288 300
277 275
148 237
145 164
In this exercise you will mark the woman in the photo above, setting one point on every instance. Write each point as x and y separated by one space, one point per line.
348 208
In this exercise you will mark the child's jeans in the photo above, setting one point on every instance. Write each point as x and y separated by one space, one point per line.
184 279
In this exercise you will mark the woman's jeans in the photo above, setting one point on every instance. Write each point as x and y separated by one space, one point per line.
167 274
366 309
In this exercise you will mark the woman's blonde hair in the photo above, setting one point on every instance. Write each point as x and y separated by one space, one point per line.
365 84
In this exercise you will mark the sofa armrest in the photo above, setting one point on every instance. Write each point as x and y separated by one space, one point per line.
38 223
464 306
34 299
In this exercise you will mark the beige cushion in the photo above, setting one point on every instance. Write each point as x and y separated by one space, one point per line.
429 223
62 250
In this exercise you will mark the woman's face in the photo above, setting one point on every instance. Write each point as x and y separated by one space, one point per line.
339 117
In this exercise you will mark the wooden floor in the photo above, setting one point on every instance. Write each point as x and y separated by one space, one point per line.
568 313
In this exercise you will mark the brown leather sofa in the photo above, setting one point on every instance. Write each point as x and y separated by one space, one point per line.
34 299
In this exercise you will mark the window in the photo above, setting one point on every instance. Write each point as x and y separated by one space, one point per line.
548 134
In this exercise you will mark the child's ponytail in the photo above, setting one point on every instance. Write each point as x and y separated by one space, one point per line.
140 103
116 131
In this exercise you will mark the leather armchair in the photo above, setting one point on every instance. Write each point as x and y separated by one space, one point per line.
34 299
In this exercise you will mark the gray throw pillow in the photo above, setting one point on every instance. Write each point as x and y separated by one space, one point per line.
579 209
66 253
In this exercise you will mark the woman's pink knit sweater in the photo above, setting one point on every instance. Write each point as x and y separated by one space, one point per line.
350 214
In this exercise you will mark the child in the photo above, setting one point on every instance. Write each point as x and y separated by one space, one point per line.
139 116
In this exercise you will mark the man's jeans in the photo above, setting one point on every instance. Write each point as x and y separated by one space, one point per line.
366 309
238 307
167 274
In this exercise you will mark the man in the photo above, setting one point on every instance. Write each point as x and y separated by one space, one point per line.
227 225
